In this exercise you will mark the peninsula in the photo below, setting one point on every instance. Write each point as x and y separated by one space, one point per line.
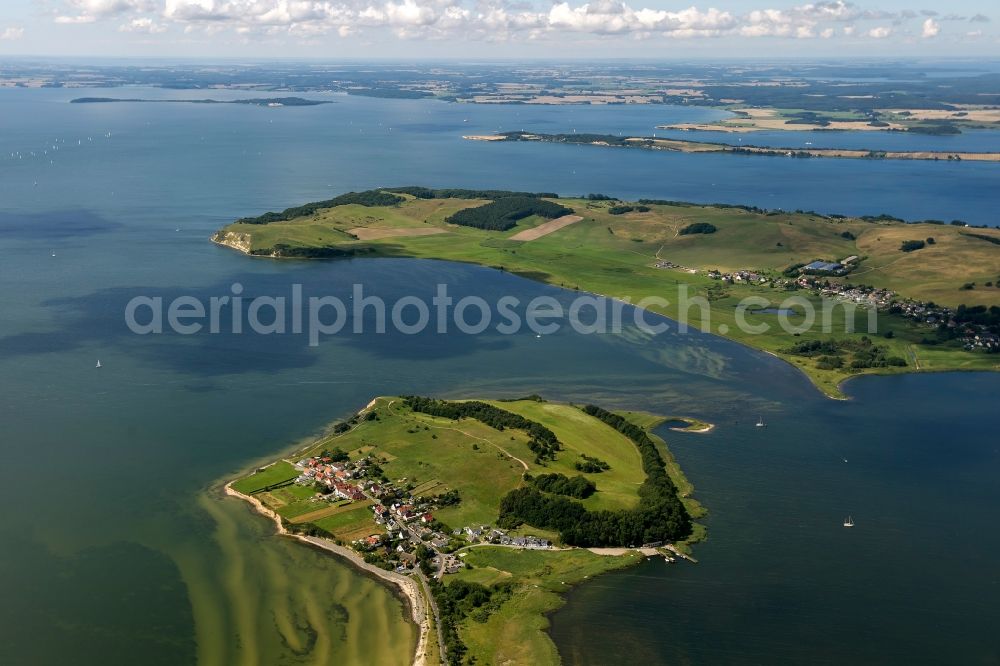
482 512
686 146
933 285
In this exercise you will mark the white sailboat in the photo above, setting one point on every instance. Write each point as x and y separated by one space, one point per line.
849 522
98 363
760 422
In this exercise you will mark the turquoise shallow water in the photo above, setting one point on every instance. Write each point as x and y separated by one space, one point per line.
105 472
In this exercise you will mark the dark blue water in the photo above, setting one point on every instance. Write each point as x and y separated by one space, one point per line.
290 155
780 580
112 548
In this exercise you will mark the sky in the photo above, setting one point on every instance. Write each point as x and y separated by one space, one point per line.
499 28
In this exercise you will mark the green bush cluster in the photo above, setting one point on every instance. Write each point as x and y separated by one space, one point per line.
660 515
504 213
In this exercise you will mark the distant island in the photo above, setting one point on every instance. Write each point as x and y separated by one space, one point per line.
257 101
938 121
934 285
916 97
483 512
686 146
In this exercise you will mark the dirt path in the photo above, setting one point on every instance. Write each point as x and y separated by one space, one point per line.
648 552
481 439
546 228
363 233
491 443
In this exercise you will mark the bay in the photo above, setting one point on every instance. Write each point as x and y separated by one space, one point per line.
117 542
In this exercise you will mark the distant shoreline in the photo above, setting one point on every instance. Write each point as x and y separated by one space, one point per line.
257 101
688 146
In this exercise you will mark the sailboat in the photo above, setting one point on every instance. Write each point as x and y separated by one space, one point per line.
849 522
98 363
760 422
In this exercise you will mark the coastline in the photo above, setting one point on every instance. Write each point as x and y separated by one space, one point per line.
541 586
224 242
407 588
689 146
708 427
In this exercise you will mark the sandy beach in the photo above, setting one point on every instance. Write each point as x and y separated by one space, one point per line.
406 585
698 431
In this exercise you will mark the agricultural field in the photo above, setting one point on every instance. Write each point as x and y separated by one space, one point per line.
272 475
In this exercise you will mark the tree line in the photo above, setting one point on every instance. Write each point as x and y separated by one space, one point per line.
865 353
579 486
367 198
503 213
460 193
660 515
541 440
460 599
621 209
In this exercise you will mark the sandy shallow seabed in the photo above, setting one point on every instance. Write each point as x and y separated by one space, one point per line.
405 584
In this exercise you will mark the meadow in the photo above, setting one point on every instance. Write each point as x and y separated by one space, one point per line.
516 632
432 456
619 255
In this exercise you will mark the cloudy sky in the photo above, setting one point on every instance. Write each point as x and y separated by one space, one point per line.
501 28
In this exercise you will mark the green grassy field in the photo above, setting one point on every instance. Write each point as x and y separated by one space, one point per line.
353 523
435 455
615 255
516 633
582 434
279 472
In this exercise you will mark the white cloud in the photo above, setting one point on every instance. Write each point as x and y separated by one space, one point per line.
82 18
931 28
99 9
144 25
484 19
609 17
10 34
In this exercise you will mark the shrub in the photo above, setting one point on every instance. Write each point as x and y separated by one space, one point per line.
622 209
579 487
504 213
698 228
